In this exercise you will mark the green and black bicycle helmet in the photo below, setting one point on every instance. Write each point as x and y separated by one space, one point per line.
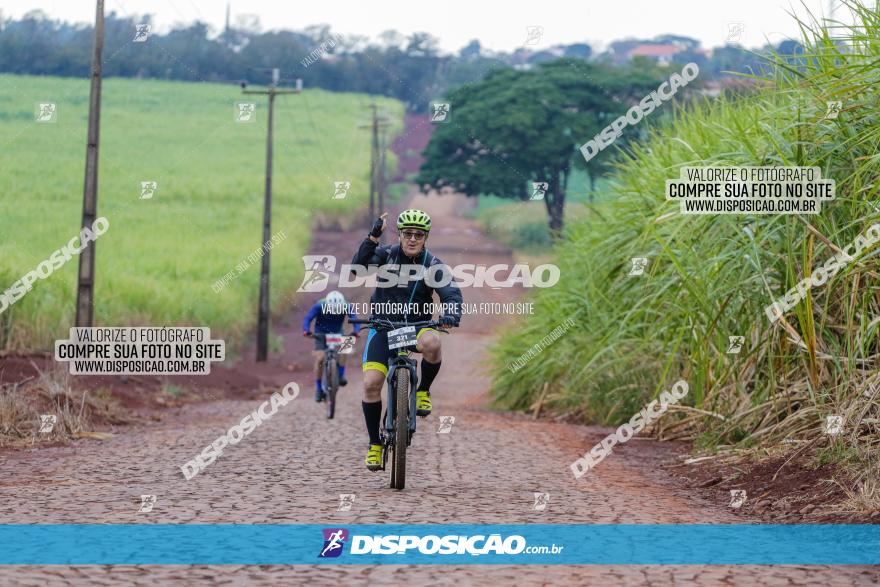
414 219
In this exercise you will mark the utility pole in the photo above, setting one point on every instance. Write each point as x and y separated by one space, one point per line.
86 281
263 311
374 164
375 189
383 148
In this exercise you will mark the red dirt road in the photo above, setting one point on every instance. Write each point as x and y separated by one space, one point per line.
293 468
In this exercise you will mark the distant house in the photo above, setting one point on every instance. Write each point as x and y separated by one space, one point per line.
661 53
714 88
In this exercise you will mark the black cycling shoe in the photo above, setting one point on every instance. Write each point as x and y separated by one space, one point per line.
343 382
319 396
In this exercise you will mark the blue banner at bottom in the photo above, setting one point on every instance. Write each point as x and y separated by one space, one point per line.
563 544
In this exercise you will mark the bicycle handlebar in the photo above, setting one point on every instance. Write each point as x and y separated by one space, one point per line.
380 324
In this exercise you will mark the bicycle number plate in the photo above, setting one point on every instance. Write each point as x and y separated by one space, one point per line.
402 337
344 345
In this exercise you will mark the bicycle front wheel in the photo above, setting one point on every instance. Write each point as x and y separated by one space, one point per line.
332 376
401 429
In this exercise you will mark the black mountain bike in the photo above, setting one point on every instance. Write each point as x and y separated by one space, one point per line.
399 422
330 371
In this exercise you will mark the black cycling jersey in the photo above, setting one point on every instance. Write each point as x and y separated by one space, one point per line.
416 297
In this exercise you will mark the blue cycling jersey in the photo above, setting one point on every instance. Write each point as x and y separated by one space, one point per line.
325 322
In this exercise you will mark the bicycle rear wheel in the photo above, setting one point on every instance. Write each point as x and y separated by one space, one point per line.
401 429
331 374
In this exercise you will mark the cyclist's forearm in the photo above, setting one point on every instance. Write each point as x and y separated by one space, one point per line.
450 297
310 315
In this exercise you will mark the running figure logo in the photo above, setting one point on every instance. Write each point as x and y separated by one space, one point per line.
148 189
318 270
347 346
141 33
833 425
245 111
834 107
439 112
147 503
737 498
46 112
446 423
47 423
735 32
534 34
539 189
346 500
638 265
341 189
541 501
735 344
334 541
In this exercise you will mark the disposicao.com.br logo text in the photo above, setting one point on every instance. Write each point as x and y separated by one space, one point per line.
392 544
320 268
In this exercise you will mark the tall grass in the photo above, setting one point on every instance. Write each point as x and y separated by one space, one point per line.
159 259
711 276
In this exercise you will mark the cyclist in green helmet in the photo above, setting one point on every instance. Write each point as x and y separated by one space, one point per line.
415 299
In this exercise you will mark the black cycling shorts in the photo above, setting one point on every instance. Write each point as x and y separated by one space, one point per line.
376 351
321 341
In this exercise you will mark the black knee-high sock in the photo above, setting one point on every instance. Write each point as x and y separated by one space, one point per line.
373 417
429 372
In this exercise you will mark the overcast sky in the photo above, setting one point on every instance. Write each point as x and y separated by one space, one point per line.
499 25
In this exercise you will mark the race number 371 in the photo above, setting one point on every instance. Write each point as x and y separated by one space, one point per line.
402 337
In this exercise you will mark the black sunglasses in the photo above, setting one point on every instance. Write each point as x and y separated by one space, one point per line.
412 235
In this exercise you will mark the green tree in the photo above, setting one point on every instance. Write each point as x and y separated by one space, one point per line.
519 127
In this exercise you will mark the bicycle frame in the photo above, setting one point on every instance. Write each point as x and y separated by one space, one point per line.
401 361
329 354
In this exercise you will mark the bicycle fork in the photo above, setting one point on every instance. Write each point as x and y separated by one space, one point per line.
390 416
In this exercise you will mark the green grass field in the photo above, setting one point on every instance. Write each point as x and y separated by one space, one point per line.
523 225
160 257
